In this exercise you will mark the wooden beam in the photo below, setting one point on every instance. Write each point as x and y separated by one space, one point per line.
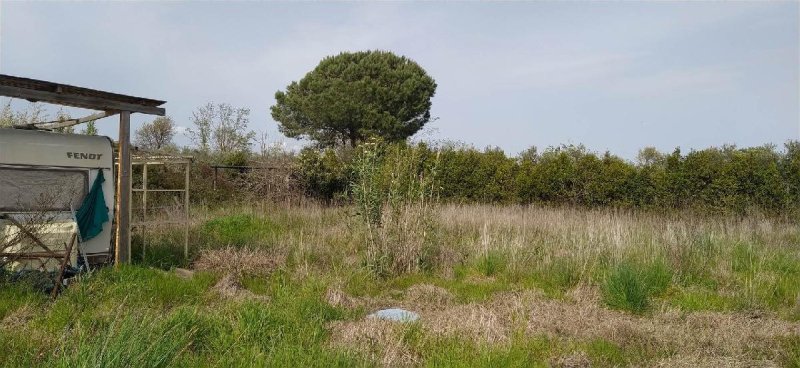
186 213
70 122
144 210
60 276
123 246
27 232
87 102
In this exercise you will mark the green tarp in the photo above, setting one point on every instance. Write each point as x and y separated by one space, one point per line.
93 212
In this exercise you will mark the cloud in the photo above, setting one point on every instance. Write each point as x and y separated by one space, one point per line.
689 81
549 72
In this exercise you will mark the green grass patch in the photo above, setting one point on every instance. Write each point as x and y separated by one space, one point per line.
554 278
468 286
455 352
604 353
131 340
790 355
695 298
163 250
239 230
131 286
18 348
14 295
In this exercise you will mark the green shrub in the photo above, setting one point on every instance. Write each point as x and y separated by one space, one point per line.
324 174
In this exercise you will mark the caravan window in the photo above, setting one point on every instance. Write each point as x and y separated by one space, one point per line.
24 189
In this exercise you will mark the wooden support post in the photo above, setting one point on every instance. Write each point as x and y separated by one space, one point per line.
143 231
186 213
123 248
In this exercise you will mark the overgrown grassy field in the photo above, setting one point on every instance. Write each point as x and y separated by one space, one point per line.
494 285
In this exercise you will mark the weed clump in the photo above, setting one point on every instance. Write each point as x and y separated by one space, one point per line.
394 193
630 286
130 341
491 264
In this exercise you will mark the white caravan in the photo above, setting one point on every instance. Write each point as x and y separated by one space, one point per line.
51 173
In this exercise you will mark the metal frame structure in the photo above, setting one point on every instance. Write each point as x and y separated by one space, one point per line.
146 161
108 104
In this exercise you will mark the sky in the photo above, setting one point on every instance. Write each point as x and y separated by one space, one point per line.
614 76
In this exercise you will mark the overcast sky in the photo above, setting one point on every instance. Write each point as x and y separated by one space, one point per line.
615 76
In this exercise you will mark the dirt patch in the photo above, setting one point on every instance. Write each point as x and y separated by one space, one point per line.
680 361
688 339
17 318
704 334
230 287
240 261
574 360
416 298
378 340
429 295
479 323
336 297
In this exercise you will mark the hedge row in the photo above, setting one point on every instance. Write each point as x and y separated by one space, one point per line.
726 179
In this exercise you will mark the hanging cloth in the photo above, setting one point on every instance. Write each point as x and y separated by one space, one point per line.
93 212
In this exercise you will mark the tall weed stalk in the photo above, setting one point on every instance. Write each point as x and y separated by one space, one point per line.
394 192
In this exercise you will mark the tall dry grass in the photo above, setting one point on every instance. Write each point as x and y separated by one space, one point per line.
707 262
587 235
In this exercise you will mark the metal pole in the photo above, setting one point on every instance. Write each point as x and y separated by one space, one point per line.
123 249
186 213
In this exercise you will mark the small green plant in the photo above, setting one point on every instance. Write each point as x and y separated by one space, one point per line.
604 353
630 286
492 263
